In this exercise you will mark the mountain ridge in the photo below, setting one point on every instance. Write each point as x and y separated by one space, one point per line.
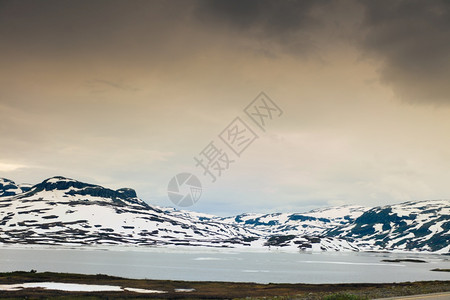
61 211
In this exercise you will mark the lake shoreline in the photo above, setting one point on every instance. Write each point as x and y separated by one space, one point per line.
206 289
209 249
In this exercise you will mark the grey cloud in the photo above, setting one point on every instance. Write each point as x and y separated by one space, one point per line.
413 40
273 17
285 23
68 29
410 38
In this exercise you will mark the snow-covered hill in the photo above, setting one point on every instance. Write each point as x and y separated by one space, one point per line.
64 211
10 188
416 226
314 222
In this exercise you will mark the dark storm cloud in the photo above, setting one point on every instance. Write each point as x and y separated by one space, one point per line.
63 28
410 38
286 23
273 17
413 40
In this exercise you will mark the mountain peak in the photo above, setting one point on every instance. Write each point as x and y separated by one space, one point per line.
63 188
2 180
60 183
8 188
59 178
127 192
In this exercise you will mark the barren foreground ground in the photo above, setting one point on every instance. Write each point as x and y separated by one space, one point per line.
207 290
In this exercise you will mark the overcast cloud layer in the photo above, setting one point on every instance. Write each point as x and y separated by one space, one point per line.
126 93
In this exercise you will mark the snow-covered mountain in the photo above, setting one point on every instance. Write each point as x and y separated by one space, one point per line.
10 188
417 226
314 222
64 211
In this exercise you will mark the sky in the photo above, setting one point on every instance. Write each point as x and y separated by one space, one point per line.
128 93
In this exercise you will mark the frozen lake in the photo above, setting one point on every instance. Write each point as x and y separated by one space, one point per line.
226 265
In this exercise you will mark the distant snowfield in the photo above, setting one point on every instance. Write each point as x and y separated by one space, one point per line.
74 287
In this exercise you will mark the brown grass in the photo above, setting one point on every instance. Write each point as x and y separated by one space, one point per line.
208 290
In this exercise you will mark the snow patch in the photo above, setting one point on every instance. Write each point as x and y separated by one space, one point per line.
73 287
184 290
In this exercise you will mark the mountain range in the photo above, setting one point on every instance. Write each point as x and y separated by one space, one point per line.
64 211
